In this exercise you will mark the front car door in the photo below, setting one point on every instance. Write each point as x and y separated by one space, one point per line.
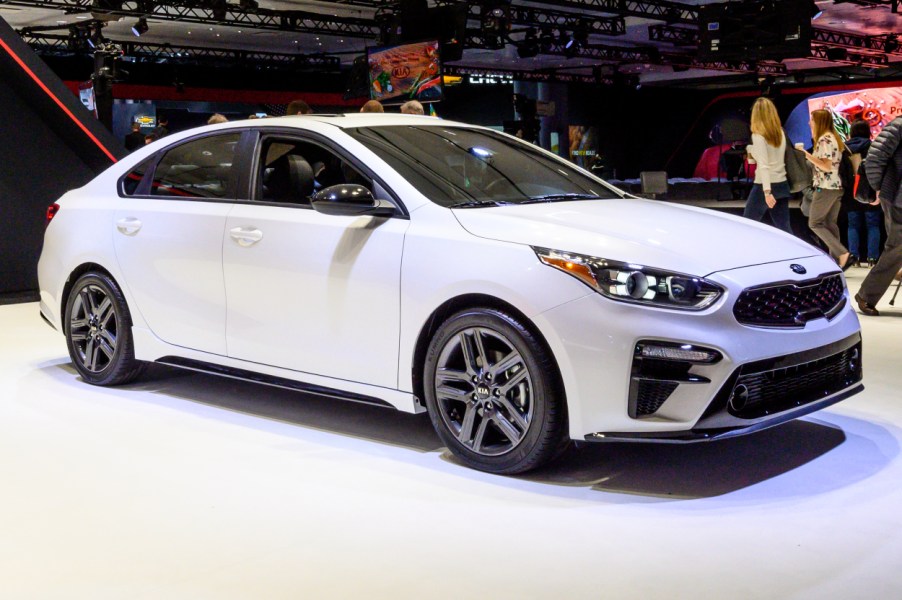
306 291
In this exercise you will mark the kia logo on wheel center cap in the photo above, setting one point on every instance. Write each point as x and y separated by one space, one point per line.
798 269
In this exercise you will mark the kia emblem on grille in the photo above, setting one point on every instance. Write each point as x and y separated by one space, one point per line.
798 269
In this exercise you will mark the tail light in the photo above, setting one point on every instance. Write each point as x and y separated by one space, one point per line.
51 211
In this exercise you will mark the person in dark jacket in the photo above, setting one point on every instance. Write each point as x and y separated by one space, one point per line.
884 171
858 213
135 139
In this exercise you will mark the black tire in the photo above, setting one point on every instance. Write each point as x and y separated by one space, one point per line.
501 409
98 329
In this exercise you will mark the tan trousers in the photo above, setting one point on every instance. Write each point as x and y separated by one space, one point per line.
825 206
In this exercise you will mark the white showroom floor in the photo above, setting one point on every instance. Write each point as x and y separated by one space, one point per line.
190 486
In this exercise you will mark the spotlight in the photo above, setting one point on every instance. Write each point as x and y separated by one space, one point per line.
529 47
546 39
140 27
249 4
891 44
496 24
836 54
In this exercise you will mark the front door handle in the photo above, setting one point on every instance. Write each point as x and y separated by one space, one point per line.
246 236
128 225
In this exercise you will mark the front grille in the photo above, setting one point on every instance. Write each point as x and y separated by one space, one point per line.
763 392
791 304
652 394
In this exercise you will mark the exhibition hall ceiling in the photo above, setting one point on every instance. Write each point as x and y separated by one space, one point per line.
652 42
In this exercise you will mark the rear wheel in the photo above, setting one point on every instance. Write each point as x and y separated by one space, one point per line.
98 330
492 392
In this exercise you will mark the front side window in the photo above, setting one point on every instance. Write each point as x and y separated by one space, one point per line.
459 166
201 168
291 171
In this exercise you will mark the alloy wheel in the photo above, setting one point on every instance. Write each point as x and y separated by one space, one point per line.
484 391
94 328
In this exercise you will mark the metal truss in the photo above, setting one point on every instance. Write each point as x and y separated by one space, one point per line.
220 13
663 10
57 45
680 36
532 16
740 66
851 41
591 51
850 57
523 75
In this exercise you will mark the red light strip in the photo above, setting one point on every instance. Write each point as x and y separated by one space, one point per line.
55 99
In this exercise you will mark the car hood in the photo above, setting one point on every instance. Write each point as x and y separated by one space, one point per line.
668 236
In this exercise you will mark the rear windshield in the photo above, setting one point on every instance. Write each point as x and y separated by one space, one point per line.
463 167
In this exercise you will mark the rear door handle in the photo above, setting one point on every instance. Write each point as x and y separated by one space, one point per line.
128 225
246 236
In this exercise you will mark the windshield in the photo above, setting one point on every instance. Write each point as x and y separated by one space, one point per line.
459 167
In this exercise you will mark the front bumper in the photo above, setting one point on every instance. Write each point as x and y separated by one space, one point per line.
784 389
594 341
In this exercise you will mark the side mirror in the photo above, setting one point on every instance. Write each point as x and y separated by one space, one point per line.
350 200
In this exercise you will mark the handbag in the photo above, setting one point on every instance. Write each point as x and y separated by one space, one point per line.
862 191
807 199
798 172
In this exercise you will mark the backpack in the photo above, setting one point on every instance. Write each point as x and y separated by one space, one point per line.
862 190
847 176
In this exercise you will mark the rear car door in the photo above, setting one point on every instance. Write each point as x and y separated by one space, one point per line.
168 237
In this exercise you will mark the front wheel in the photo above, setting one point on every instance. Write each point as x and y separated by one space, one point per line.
492 392
98 332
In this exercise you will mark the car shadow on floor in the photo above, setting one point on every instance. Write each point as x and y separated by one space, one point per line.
653 471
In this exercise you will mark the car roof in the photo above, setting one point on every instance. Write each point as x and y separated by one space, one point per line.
354 120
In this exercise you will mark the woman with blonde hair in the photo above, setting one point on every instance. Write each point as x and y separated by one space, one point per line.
825 203
770 191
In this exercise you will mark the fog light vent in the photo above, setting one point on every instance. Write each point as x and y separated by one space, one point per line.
652 394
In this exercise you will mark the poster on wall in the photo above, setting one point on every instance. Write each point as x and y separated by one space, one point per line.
583 145
406 72
877 106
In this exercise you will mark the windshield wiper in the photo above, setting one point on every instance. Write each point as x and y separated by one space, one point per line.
479 203
558 197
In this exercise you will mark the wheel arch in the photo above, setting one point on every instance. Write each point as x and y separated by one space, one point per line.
76 273
473 301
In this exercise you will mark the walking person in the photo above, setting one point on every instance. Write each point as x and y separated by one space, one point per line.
828 190
884 171
859 213
770 191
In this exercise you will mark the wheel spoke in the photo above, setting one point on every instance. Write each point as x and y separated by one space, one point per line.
451 376
467 349
466 425
78 337
480 349
515 380
447 392
105 311
87 302
106 348
90 354
95 356
518 419
505 364
505 426
109 338
480 433
77 324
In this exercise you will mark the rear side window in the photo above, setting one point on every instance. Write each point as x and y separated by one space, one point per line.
129 184
202 168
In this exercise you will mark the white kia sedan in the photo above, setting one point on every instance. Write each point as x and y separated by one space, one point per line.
434 266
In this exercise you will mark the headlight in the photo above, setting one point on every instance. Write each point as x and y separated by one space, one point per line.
634 283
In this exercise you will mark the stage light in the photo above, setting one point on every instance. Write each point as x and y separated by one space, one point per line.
496 24
140 27
836 53
529 46
546 39
891 44
249 4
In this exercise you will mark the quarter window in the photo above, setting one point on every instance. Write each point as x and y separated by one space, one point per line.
199 169
133 178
